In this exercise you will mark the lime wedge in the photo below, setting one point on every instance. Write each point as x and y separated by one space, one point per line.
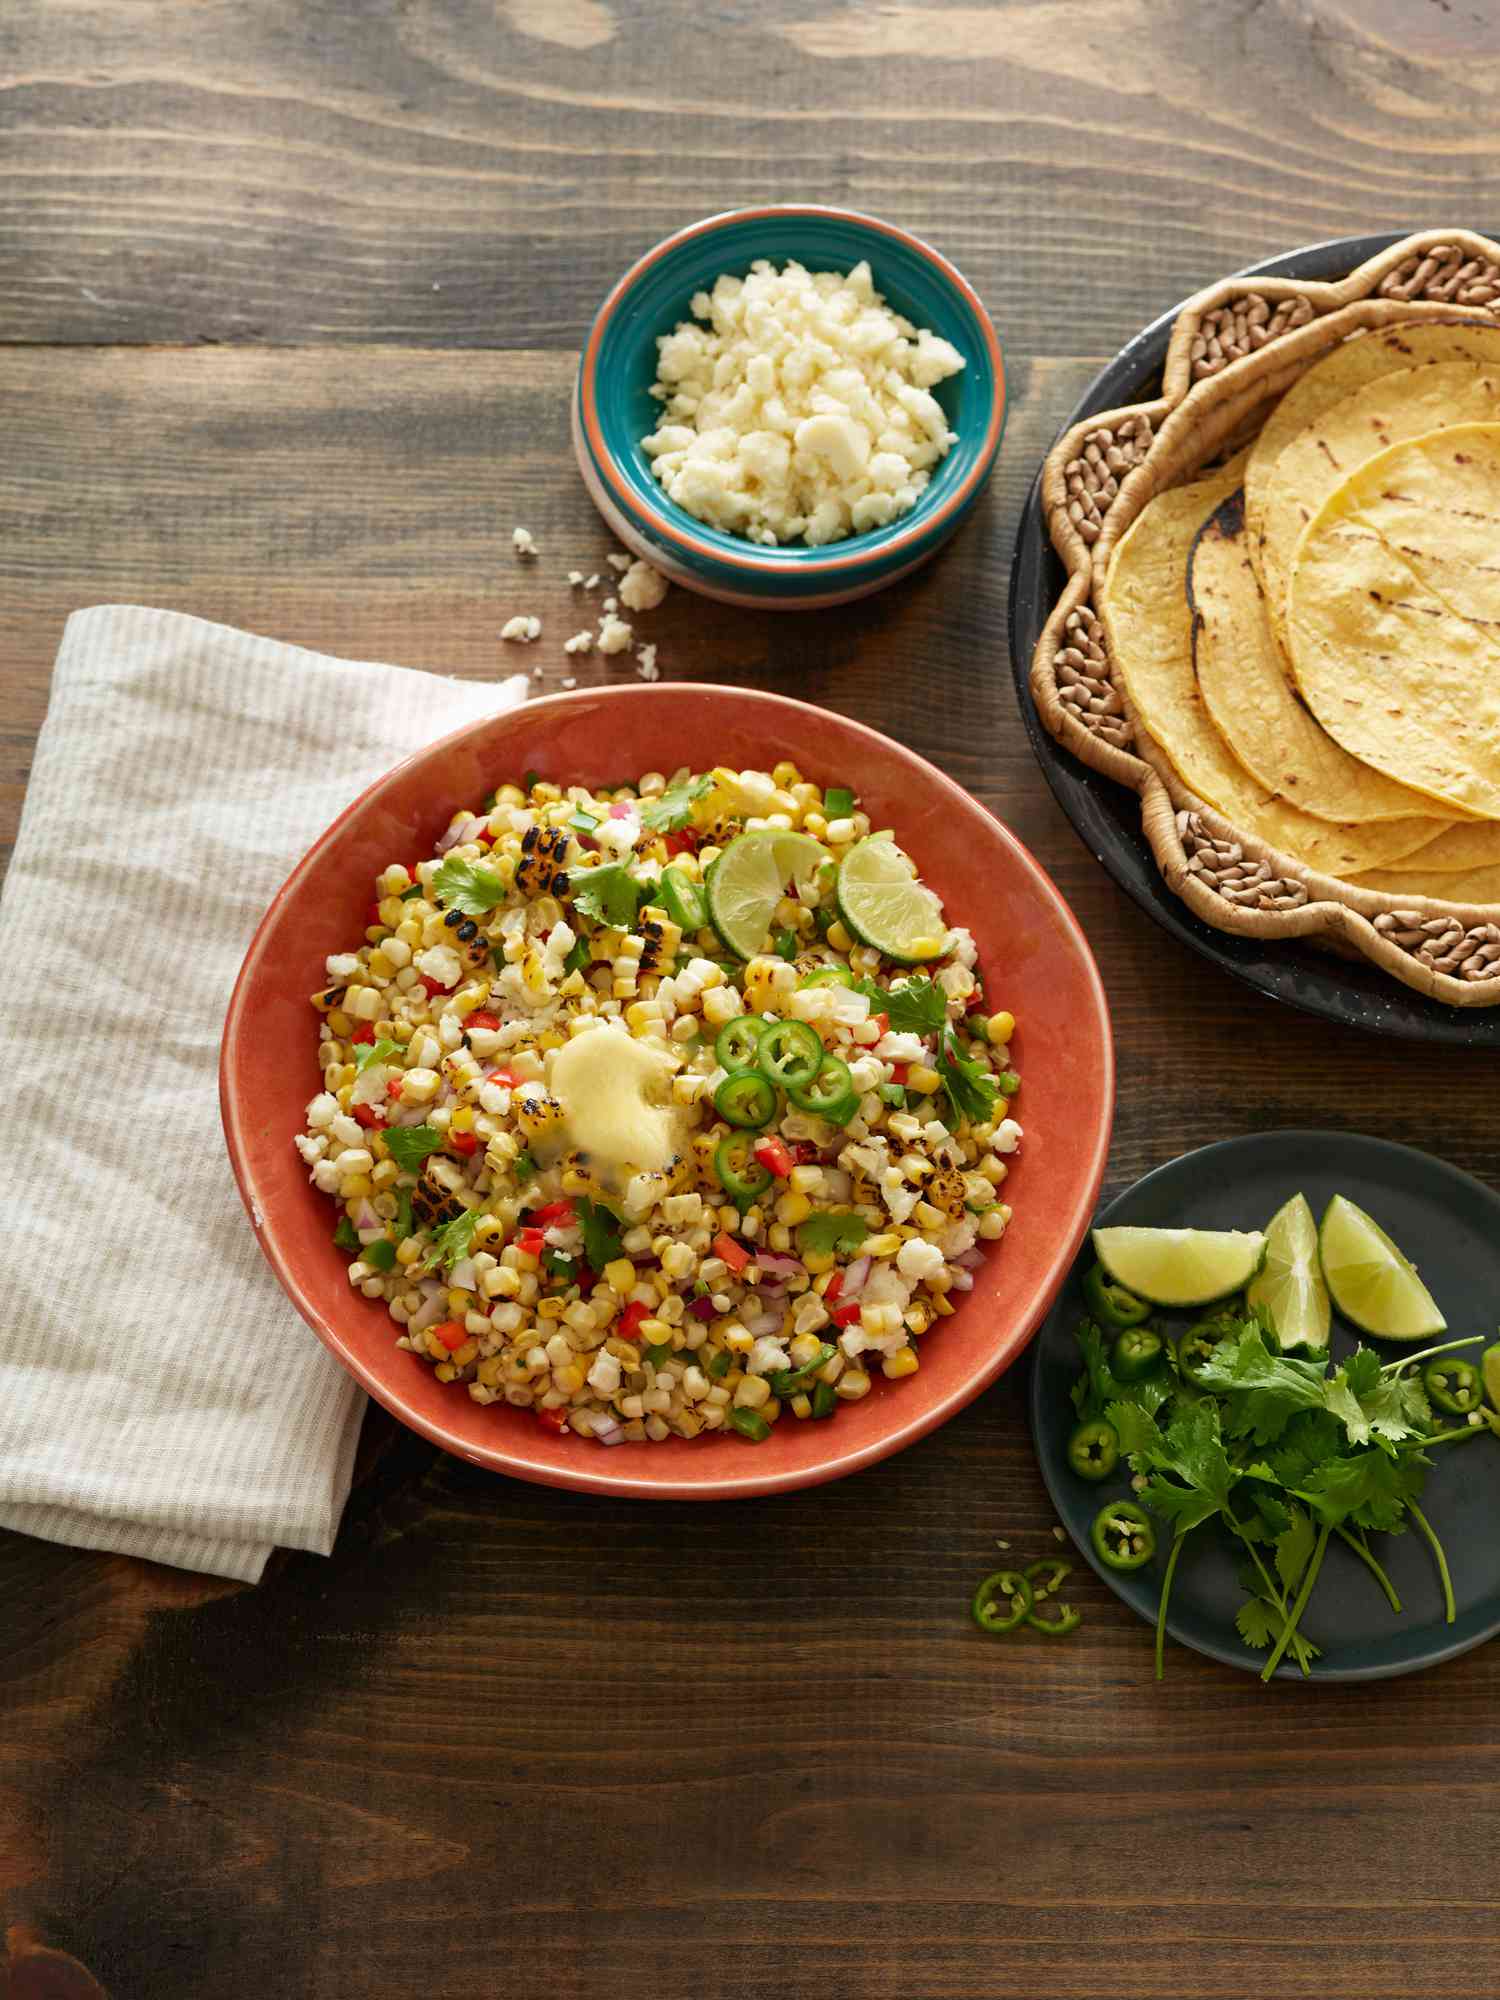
881 900
749 879
1371 1282
1489 1369
1289 1285
1180 1267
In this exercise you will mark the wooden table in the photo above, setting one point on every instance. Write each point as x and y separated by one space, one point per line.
294 295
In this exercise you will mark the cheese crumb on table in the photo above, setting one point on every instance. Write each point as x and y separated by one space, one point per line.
802 409
618 561
575 578
521 628
615 636
645 664
642 588
581 642
591 582
523 541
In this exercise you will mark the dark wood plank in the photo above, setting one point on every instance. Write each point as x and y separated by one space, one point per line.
510 1739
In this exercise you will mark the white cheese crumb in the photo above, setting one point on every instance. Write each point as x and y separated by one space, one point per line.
581 642
615 636
592 582
611 603
568 681
521 628
618 561
523 541
645 664
802 409
575 577
642 588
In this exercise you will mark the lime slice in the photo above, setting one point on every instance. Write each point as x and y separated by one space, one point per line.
749 879
1289 1285
881 900
1489 1369
1180 1267
1371 1282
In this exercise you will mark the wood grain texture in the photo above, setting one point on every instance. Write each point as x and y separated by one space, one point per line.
292 295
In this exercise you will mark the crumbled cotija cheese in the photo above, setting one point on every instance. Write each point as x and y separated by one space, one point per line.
615 636
642 588
523 628
803 407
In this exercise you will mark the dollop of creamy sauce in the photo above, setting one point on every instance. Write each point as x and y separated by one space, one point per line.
616 1103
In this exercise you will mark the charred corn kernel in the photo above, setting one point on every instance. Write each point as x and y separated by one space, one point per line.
920 1077
1000 1027
793 1208
569 1379
838 937
488 1229
462 1120
903 1362
918 1316
930 1217
575 1181
467 998
620 1273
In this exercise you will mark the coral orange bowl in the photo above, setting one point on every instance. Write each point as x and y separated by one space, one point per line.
1032 953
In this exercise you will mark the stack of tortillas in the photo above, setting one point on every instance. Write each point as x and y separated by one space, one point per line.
1310 635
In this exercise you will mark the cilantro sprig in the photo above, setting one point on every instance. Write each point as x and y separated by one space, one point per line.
468 886
608 895
967 1084
674 807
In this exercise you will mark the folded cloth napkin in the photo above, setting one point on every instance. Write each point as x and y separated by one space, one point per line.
158 1395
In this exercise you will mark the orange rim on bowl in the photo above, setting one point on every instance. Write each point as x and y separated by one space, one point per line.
1032 951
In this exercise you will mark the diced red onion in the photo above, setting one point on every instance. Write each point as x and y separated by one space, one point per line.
780 1266
365 1217
968 1260
961 1281
463 1275
428 1313
855 1278
702 1309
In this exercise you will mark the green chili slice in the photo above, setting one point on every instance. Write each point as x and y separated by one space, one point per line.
683 901
1136 1353
1094 1450
829 975
746 1100
789 1052
750 1424
838 802
1453 1385
737 1044
1123 1536
792 1381
1047 1576
1067 1620
743 1177
784 944
721 1363
1111 1303
1003 1601
831 1093
1196 1349
825 1400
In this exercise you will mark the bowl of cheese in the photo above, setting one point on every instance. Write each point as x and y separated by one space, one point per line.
789 406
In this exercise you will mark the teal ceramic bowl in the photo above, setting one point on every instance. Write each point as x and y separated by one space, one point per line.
613 408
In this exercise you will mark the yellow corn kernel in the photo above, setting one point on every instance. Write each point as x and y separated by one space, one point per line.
459 1302
926 947
785 775
903 1362
488 1371
819 1262
462 1120
838 937
620 1273
771 1410
464 1355
792 1209
489 1227
408 1250
886 1244
802 1405
380 965
345 1095
920 1077
929 1217
653 1332
1000 1027
575 1181
779 1237
942 1306
361 1187
340 1024
391 910
445 1371
568 1380
918 1316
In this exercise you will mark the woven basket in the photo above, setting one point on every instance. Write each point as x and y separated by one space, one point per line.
1234 350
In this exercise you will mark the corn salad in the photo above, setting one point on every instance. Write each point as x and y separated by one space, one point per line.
757 1187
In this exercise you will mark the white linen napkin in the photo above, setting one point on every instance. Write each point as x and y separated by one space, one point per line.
158 1394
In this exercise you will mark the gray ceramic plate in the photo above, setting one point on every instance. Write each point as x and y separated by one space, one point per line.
1450 1225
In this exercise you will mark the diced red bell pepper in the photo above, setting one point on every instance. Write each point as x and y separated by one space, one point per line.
369 1117
630 1319
703 1309
899 1072
553 1420
531 1241
505 1075
464 1142
807 1153
364 1032
373 916
684 841
481 1018
452 1333
834 1287
434 986
773 1153
846 1315
394 1088
733 1254
550 1211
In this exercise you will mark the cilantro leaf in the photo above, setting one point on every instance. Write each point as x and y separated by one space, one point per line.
522 1169
454 1240
1369 1488
1258 1623
1133 1426
602 1243
1309 1439
468 886
1265 1391
968 1085
674 808
1371 1404
920 1007
374 1052
1194 1476
825 1235
608 895
409 1145
402 1224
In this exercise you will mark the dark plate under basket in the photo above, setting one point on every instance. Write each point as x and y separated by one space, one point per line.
1447 1222
1107 816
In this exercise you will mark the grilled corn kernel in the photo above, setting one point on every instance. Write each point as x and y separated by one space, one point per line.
1000 1027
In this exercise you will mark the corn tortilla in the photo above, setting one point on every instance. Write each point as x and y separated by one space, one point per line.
1393 615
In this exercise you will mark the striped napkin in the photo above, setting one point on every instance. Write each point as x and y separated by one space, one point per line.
158 1395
